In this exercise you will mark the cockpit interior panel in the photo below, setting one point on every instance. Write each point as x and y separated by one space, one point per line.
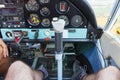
34 18
26 26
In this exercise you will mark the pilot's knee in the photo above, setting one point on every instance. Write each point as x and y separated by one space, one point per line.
109 72
18 64
112 69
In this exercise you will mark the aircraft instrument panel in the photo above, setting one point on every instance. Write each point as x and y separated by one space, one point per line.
31 20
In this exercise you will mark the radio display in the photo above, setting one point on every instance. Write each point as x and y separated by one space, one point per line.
9 11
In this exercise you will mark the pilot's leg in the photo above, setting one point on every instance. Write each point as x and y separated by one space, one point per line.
20 71
109 73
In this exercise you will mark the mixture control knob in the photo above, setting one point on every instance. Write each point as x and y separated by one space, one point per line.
9 34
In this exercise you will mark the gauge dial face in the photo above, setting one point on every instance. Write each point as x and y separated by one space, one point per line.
9 34
45 11
47 32
65 18
44 1
76 21
32 5
46 22
34 20
62 7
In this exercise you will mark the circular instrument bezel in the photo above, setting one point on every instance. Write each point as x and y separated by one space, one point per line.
62 7
44 23
42 11
65 18
78 22
30 6
36 17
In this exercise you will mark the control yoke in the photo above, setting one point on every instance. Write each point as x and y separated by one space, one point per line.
58 26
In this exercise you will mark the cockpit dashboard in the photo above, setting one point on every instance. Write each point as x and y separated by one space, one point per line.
32 20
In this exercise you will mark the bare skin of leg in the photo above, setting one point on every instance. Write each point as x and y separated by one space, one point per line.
109 73
4 63
20 71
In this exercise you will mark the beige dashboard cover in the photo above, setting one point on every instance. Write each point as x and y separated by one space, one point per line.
4 63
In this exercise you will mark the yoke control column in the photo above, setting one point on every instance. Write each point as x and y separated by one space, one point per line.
58 26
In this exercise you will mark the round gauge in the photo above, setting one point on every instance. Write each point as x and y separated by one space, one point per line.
76 21
33 19
62 7
44 1
65 18
46 22
45 11
32 5
47 32
9 34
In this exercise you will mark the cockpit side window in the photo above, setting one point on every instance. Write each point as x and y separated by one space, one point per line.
115 30
102 10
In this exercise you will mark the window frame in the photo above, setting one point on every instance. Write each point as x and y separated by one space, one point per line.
113 16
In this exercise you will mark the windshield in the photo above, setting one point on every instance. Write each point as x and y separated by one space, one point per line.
102 10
